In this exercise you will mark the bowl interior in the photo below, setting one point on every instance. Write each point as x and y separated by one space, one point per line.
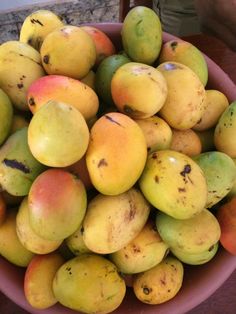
199 281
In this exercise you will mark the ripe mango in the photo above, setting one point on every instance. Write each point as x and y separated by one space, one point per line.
170 182
6 116
10 246
37 26
111 222
72 45
181 51
184 105
20 65
89 283
141 35
57 204
116 144
39 292
58 135
56 87
138 90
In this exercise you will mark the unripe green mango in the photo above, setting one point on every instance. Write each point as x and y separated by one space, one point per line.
194 235
10 245
89 283
6 115
220 173
141 35
18 167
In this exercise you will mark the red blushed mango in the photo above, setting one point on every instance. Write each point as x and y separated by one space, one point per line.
104 45
57 204
38 280
2 209
226 216
80 170
63 89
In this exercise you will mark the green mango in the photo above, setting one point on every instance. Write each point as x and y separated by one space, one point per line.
6 115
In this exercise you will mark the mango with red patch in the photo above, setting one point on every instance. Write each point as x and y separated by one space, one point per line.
57 204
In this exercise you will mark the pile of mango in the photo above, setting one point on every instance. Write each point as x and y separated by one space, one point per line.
117 167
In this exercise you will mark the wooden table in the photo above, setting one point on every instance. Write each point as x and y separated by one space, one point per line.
223 301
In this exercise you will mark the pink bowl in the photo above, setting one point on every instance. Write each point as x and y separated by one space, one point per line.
199 281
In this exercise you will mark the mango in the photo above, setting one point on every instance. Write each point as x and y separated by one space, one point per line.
106 157
142 253
55 87
72 45
57 203
141 35
215 102
37 26
196 258
18 122
89 79
10 246
157 133
220 173
170 182
232 191
207 139
18 167
111 222
89 283
6 116
184 52
103 44
104 74
20 65
194 235
186 142
160 283
75 242
58 135
224 138
184 105
138 90
39 292
29 239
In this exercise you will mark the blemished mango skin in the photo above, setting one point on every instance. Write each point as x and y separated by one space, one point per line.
138 90
38 291
29 239
142 35
113 221
101 288
116 144
63 89
72 45
57 203
170 182
10 246
142 253
186 53
216 103
194 235
160 283
224 135
184 105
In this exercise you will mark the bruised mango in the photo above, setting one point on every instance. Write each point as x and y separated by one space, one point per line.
170 182
102 288
184 105
56 87
141 35
113 221
116 144
160 283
